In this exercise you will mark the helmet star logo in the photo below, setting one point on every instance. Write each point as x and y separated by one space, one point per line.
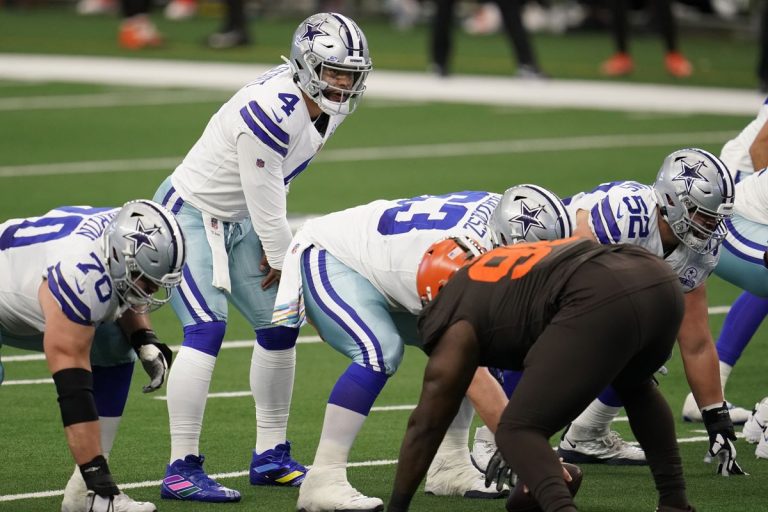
141 237
528 218
689 174
312 31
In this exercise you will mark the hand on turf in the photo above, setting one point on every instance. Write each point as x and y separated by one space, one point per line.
721 437
499 470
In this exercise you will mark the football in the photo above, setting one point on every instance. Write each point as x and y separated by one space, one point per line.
520 501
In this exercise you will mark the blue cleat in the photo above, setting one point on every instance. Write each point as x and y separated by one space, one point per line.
186 480
276 467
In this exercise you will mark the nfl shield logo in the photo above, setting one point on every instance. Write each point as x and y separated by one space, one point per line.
259 162
215 223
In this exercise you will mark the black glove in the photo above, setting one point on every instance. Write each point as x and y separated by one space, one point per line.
155 357
499 470
721 437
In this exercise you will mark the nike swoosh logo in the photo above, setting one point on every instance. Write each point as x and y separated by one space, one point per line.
277 118
619 215
79 290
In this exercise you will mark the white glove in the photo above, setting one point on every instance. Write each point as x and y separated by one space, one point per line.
153 361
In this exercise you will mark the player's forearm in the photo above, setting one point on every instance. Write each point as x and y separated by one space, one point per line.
703 374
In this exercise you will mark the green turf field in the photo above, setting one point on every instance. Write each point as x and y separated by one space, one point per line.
36 143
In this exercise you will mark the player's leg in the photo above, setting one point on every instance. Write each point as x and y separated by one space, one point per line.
452 472
202 311
590 440
272 365
112 362
353 317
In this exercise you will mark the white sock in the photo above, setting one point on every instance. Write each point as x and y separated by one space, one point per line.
272 374
340 428
597 416
457 436
108 426
187 392
725 372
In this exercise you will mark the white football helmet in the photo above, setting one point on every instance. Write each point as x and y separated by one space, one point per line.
529 213
144 242
330 43
695 191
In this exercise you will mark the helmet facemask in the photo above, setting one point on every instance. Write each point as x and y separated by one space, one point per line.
147 296
325 46
700 229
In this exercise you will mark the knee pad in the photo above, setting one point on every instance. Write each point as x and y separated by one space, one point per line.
277 338
205 337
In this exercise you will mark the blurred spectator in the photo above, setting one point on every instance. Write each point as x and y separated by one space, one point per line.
621 63
180 9
136 29
441 44
94 7
234 31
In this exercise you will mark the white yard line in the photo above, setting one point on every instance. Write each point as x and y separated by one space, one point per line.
237 474
498 147
111 99
487 90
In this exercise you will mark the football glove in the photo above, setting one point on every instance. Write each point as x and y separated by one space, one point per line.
155 357
500 471
721 437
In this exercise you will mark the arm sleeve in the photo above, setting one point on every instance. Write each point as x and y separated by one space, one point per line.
261 175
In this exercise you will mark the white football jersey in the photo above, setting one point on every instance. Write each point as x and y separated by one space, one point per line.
272 110
751 201
64 247
735 153
626 212
384 241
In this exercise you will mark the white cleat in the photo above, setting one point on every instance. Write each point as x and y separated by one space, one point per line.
761 452
691 412
757 421
76 498
326 490
454 475
483 448
597 446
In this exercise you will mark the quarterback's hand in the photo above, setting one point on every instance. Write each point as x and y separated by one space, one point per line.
155 357
499 470
721 437
96 503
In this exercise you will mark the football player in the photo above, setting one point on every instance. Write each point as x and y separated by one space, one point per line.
354 274
578 316
743 263
229 195
681 218
78 283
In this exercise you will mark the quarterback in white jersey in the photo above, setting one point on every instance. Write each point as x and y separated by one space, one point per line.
229 195
679 218
354 275
78 283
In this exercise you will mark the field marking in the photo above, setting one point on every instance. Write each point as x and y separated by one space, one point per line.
467 89
110 99
237 474
498 147
714 310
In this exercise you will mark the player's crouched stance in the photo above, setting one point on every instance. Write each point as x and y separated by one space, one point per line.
78 283
556 309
